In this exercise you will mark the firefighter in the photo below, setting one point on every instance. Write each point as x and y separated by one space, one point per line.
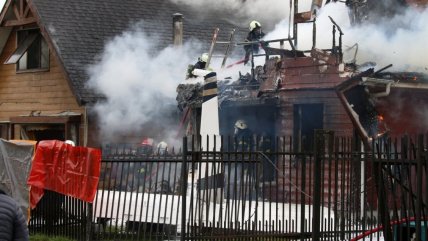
255 34
162 148
240 174
201 64
243 136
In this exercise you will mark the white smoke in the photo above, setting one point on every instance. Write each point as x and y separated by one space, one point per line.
399 40
139 84
267 12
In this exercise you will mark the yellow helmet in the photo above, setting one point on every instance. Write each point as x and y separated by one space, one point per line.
204 57
254 24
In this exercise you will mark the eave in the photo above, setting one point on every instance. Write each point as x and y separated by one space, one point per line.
398 101
26 14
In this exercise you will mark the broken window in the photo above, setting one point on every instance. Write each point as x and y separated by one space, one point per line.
32 52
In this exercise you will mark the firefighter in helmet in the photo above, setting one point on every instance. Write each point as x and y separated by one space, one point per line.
201 64
243 136
240 174
255 34
162 148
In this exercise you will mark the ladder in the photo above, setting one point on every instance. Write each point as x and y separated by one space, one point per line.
214 42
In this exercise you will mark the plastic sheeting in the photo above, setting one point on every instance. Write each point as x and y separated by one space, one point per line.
60 167
15 164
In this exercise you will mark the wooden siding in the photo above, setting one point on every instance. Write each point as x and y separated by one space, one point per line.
335 116
22 93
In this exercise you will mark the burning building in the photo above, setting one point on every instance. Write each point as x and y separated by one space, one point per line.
296 92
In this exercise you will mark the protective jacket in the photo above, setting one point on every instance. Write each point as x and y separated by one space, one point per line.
254 35
244 140
13 226
198 65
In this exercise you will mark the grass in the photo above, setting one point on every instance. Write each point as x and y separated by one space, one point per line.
43 237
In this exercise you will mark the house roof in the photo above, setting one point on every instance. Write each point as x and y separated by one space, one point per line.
391 95
79 29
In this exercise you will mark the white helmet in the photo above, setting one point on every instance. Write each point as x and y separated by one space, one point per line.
204 57
254 24
240 124
70 142
162 147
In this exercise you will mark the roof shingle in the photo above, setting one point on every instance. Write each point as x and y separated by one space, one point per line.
79 30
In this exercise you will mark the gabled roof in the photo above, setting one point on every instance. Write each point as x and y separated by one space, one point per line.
79 29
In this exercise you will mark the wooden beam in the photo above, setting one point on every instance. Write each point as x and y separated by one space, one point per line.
11 23
16 11
26 11
21 8
44 119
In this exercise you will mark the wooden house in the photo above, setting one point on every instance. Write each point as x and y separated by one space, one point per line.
46 47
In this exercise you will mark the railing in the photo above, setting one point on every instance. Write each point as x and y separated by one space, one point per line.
339 190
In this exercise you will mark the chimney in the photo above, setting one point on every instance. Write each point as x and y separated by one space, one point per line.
177 25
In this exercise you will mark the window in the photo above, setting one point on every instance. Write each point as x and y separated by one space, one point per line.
307 118
32 52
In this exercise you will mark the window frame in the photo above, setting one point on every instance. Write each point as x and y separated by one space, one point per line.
32 37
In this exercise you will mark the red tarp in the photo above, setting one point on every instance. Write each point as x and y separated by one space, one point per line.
63 168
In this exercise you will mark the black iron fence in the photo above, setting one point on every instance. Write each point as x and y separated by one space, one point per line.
239 190
59 215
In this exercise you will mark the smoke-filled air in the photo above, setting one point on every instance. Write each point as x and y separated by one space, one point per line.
399 40
268 12
139 85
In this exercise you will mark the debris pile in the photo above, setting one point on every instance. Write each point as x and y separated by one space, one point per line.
245 87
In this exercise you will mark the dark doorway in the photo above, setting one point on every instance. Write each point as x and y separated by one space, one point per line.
261 121
50 207
50 134
307 118
259 118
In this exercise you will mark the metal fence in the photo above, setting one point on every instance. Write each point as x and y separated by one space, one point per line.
59 215
339 190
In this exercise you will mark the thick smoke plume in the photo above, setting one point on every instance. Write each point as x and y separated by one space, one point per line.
140 85
399 40
240 12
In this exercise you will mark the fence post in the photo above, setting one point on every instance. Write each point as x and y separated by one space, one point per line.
317 186
419 198
184 190
302 200
378 176
88 222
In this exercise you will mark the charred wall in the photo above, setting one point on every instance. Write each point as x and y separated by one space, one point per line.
334 115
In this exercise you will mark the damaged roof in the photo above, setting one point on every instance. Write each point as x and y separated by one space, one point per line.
79 30
400 99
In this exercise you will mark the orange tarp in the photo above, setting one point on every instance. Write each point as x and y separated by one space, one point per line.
63 168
